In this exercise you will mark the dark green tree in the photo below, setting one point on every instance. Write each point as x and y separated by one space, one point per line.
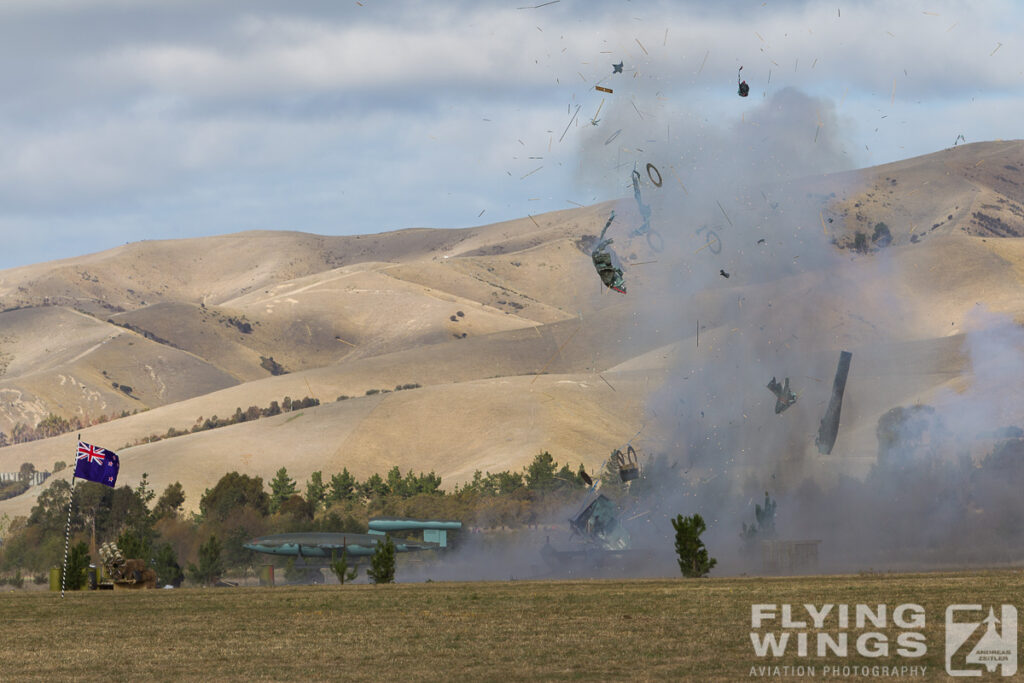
316 491
211 566
428 483
341 569
144 491
281 489
566 478
234 491
27 470
382 562
503 483
78 562
540 474
395 484
51 509
121 510
168 571
131 546
693 556
375 487
170 502
343 487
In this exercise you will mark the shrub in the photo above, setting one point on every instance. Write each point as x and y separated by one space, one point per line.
693 556
211 566
78 563
340 568
382 563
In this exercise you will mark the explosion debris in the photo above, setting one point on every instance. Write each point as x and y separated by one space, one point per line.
784 397
604 258
598 524
829 429
627 464
654 240
650 168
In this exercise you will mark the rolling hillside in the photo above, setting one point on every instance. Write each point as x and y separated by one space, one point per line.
516 346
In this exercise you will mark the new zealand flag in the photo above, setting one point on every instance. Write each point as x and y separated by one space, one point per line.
97 464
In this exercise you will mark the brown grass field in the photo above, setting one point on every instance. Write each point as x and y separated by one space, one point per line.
668 629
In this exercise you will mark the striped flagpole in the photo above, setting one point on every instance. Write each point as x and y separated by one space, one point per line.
67 529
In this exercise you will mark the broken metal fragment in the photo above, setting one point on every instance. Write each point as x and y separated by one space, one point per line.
610 274
627 464
829 428
784 397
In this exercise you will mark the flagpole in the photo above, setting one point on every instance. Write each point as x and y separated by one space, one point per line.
67 529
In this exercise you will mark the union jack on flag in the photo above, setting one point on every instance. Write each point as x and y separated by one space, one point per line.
97 464
92 453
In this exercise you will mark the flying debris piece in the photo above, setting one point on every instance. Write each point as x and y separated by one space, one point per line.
602 88
654 240
611 275
612 137
652 171
617 68
598 524
784 397
744 89
584 476
627 464
829 429
958 139
724 274
761 241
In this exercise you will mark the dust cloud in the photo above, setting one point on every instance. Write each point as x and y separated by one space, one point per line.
745 270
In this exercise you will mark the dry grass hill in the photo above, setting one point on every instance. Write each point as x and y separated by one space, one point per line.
513 342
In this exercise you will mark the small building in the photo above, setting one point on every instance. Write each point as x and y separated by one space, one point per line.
789 557
434 531
34 479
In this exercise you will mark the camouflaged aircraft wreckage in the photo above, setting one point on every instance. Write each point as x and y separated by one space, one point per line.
601 542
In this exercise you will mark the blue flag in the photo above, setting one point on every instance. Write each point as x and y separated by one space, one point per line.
97 464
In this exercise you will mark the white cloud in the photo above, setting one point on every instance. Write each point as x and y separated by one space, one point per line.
115 109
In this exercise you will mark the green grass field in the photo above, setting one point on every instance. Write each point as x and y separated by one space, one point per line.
514 631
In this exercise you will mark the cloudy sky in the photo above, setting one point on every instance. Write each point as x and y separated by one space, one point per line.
125 120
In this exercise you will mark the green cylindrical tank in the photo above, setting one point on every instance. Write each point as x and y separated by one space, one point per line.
396 524
55 578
